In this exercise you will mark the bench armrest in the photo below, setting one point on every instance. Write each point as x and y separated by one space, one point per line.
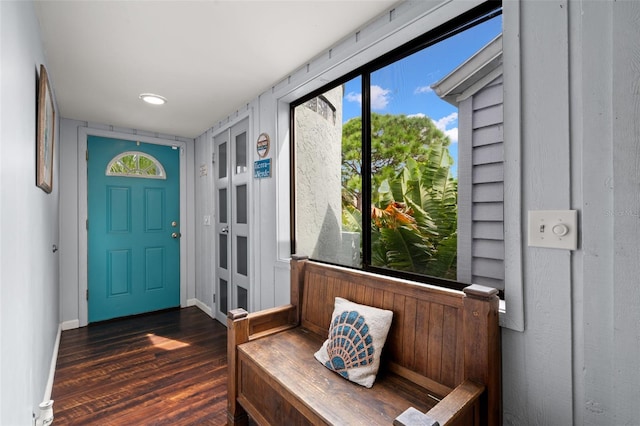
270 321
243 327
262 323
461 403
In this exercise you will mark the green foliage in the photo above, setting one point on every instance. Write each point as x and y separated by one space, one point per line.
351 219
414 199
394 139
134 164
424 197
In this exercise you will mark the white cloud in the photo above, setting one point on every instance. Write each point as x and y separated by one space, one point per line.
422 90
418 115
453 134
379 97
444 122
354 97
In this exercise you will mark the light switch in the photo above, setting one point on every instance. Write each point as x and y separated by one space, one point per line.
553 229
207 220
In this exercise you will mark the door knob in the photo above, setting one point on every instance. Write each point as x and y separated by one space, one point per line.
176 235
225 230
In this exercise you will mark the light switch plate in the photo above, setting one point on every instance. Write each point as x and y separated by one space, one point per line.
553 229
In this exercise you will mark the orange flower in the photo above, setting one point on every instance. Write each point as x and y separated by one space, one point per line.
394 215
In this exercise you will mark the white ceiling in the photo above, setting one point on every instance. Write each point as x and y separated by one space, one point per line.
207 58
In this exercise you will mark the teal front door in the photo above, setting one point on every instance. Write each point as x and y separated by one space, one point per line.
133 192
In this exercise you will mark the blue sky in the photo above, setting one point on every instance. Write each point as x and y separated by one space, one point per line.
404 87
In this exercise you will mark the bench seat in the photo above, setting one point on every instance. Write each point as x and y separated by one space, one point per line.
284 356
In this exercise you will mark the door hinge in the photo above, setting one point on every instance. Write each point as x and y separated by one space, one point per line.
214 298
87 295
86 155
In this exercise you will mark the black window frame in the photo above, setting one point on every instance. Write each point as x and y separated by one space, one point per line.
473 17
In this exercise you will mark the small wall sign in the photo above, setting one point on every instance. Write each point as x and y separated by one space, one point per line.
262 168
263 144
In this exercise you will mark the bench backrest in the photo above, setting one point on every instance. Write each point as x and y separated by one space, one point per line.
426 342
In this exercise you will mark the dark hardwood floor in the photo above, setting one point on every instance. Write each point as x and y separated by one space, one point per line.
167 368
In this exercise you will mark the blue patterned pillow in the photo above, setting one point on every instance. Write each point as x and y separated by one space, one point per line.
356 337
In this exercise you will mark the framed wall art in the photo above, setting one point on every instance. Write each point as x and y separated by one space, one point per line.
45 134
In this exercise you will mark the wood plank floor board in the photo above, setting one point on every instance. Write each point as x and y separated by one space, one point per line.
164 368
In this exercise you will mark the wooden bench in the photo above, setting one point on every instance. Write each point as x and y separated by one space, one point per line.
440 364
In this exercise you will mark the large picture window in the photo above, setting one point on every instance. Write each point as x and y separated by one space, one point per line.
380 178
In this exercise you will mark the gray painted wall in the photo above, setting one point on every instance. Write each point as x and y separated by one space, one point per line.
577 361
605 178
29 313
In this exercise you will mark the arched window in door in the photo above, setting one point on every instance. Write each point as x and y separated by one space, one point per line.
136 164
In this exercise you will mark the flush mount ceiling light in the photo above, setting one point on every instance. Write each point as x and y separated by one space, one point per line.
152 99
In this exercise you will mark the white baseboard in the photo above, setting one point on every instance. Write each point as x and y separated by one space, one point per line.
70 325
204 308
52 369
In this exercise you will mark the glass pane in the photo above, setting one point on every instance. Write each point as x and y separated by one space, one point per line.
222 203
135 164
241 258
414 154
328 140
224 299
241 153
144 163
223 251
222 160
241 203
242 298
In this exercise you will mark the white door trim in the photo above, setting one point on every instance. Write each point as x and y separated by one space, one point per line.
83 134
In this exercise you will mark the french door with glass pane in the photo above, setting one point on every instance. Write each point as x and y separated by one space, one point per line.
232 219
